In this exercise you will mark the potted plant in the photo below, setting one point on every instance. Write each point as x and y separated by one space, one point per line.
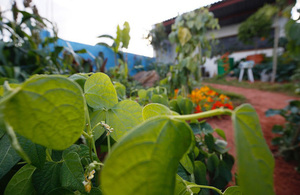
224 63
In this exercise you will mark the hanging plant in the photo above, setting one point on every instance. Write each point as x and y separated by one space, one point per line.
258 25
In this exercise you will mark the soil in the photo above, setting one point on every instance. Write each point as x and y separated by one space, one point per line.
286 179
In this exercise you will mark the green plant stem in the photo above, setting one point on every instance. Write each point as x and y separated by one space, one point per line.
90 134
206 114
48 155
108 143
193 178
207 187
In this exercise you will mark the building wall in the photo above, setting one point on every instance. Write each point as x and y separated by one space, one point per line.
131 59
93 51
232 30
226 31
211 64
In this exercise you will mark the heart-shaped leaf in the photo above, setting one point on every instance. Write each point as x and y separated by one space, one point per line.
72 174
48 178
48 110
100 92
35 152
148 157
184 35
123 117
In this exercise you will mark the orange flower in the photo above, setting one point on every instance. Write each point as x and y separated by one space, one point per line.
223 97
197 109
176 93
211 93
209 99
229 106
217 104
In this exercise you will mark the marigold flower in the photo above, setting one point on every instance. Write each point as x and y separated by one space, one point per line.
229 106
197 109
217 104
223 97
209 99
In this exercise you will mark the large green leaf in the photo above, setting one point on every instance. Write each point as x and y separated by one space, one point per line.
145 161
184 35
100 92
160 98
187 163
72 174
123 117
212 163
125 35
154 109
8 156
142 93
255 161
200 173
48 110
97 117
35 152
21 182
186 105
48 178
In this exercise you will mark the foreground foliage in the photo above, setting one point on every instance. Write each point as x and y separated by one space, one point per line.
29 45
57 126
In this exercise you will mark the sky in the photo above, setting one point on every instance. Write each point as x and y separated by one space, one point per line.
84 20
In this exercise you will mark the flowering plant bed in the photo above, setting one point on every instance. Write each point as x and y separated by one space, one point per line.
207 99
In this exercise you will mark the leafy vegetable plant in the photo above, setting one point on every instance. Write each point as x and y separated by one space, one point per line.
288 138
55 126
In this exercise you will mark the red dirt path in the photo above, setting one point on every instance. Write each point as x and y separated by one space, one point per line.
286 179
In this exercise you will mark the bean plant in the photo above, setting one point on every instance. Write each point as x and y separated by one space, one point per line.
54 127
189 33
288 135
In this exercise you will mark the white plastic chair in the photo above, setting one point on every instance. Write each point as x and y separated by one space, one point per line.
246 65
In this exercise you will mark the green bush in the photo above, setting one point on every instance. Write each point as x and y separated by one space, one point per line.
288 136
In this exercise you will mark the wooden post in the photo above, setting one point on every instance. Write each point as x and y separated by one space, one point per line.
275 47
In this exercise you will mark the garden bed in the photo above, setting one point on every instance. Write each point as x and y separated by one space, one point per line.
286 179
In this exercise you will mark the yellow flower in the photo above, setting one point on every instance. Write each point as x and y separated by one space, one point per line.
223 97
